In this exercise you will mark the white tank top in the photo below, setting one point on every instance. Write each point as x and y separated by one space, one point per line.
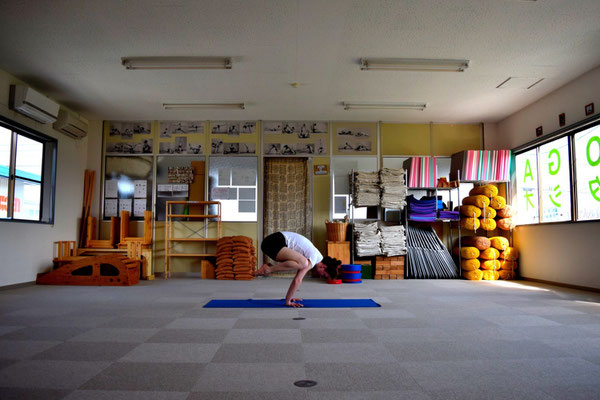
303 246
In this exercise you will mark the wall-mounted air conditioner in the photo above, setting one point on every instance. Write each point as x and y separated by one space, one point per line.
70 124
27 101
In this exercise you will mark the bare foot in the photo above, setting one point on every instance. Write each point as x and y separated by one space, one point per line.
265 270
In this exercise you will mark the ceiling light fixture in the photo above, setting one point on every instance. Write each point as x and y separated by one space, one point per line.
229 106
385 106
413 64
176 62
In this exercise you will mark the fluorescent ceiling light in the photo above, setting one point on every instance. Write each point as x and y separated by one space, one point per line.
176 62
385 106
230 106
413 64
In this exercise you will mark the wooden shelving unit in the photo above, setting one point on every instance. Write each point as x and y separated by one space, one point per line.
198 234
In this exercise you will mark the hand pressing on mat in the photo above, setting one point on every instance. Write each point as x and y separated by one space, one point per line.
293 303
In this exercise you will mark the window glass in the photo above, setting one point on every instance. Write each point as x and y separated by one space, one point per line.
233 182
342 168
3 197
527 188
555 181
29 158
27 200
5 136
587 158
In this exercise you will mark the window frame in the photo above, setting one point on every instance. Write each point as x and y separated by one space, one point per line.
569 132
48 172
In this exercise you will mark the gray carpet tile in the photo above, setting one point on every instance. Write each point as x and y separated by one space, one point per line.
172 353
5 362
332 323
188 336
267 323
212 313
259 353
589 391
32 394
475 349
346 353
169 377
85 351
360 377
49 374
446 339
138 323
372 395
299 394
7 329
115 335
44 333
553 371
23 349
250 377
338 336
202 323
456 374
507 392
72 321
125 395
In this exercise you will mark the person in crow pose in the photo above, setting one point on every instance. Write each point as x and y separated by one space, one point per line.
294 252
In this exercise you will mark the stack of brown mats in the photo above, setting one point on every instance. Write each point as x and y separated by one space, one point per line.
236 258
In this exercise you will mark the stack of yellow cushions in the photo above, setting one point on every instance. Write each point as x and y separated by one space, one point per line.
488 259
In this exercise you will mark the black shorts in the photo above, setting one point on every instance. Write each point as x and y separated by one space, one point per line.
272 244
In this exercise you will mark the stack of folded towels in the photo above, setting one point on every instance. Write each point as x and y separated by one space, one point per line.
423 209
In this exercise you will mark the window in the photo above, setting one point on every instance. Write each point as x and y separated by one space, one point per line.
555 181
27 169
587 156
558 177
342 168
233 182
527 187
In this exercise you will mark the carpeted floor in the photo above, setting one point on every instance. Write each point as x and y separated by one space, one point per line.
429 340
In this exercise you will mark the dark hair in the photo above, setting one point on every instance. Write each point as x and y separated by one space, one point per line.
332 265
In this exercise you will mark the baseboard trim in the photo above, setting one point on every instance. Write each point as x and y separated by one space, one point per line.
565 285
17 285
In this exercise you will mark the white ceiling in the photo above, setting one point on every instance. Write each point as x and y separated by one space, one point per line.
72 50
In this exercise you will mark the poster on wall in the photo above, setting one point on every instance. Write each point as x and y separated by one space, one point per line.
355 138
129 138
233 137
295 138
181 137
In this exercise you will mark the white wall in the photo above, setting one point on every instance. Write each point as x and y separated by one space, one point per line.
26 248
565 252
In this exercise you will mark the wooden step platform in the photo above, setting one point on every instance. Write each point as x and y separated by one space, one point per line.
103 270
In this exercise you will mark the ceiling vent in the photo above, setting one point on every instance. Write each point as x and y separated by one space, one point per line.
70 124
36 106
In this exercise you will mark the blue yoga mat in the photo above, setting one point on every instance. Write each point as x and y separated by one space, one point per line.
307 303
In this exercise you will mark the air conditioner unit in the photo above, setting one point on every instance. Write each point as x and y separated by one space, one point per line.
70 124
27 101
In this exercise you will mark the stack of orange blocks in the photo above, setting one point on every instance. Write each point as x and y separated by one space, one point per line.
236 258
389 267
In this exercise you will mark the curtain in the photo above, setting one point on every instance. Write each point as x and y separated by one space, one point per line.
287 200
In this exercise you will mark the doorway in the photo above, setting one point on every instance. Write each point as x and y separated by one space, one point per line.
287 200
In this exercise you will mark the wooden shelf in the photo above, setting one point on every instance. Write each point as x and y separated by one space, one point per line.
199 216
193 239
205 217
191 254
